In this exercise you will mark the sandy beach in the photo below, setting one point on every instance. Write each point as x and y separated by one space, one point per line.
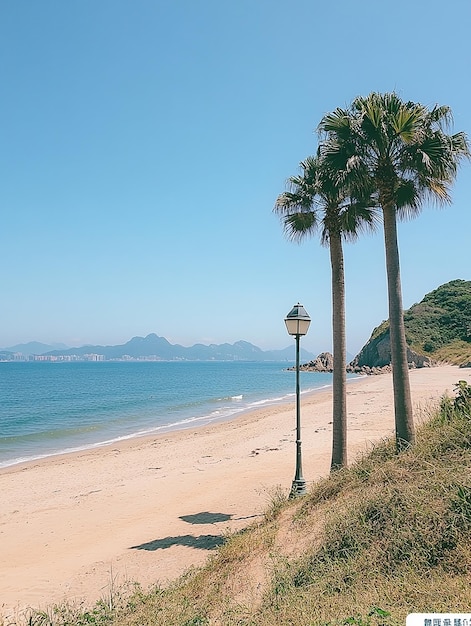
74 526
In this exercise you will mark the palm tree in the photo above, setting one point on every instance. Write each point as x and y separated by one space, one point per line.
401 149
315 201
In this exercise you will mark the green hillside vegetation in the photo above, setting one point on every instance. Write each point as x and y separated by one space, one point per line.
388 536
440 325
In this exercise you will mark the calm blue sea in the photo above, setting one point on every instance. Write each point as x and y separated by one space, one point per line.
48 408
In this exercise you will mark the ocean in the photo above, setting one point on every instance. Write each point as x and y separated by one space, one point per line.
50 408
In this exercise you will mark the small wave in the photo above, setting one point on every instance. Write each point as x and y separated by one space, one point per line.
227 399
313 389
353 377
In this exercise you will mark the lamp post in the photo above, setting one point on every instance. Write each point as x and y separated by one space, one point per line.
297 323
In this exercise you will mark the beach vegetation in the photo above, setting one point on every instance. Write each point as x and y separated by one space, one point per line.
387 536
402 150
443 317
318 201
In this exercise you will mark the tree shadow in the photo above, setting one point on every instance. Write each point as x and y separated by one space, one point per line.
206 518
203 542
212 518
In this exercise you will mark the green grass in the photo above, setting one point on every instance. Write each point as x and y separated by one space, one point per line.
456 353
388 536
440 325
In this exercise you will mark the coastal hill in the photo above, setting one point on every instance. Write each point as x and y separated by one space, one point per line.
153 347
438 329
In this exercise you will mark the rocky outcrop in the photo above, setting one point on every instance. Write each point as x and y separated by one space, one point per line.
376 353
323 363
373 359
366 369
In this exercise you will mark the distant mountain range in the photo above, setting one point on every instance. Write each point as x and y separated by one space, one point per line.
159 348
35 347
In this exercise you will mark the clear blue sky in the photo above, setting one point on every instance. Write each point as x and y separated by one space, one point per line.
143 145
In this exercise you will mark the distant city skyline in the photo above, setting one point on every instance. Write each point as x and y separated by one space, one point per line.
149 348
144 145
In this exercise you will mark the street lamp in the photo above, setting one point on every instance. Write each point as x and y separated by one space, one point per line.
297 323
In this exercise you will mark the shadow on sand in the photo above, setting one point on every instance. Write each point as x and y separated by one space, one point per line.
206 518
203 542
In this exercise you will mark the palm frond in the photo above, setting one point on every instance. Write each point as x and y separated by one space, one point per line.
460 145
337 122
357 219
439 191
404 124
297 226
332 199
442 116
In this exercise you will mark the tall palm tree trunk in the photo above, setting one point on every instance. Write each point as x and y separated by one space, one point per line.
339 418
405 434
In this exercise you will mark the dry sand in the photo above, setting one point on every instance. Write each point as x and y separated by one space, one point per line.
74 526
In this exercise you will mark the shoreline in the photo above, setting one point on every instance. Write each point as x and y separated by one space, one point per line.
146 509
197 421
136 439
